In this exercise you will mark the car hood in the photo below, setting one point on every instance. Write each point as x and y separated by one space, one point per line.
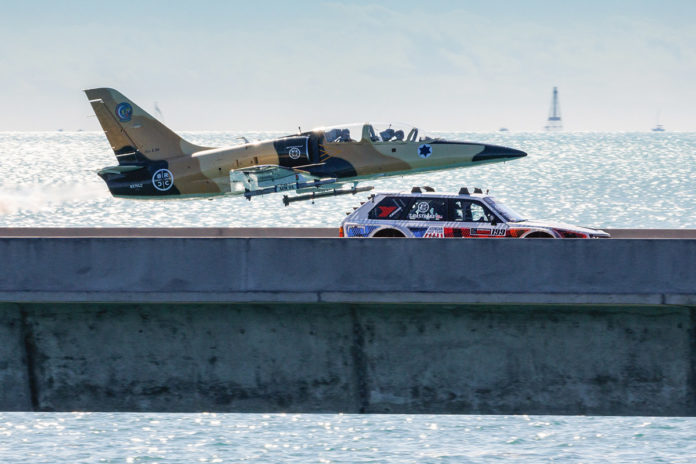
557 225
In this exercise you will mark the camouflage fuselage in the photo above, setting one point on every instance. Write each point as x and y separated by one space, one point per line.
155 162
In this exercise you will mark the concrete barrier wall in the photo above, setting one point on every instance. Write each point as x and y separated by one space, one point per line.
342 270
348 358
234 324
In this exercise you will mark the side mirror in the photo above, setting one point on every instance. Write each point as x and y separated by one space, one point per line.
494 222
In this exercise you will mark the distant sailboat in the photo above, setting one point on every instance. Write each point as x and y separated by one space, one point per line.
554 120
658 127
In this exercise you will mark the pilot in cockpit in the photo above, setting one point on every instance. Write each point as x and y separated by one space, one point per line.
332 135
387 134
337 135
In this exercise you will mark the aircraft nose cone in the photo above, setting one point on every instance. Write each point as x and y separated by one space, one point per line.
496 153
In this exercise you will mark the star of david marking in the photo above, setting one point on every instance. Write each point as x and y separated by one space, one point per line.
425 150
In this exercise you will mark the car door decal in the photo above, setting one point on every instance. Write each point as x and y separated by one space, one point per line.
480 232
359 231
418 231
434 232
456 232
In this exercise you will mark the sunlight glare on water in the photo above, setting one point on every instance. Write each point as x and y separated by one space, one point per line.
609 180
618 180
340 438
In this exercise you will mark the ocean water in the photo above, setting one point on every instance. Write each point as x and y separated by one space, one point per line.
611 180
338 438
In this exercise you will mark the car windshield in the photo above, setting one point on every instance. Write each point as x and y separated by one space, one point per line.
508 214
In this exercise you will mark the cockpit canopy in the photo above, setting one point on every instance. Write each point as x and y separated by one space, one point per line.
376 133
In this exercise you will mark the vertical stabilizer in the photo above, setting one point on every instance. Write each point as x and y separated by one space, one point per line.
131 129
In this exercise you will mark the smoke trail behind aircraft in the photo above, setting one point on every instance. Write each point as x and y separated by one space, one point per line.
37 197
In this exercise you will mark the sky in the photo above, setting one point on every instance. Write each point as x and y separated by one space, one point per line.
276 65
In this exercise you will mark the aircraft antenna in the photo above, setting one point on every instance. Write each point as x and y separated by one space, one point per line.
554 121
158 111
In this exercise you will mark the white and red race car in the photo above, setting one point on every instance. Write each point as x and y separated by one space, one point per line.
437 215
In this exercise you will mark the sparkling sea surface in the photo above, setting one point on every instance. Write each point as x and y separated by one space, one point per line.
341 438
610 180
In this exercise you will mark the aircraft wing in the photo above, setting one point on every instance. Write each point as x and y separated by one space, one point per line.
272 171
269 178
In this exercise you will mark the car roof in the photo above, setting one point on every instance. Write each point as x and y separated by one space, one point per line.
433 194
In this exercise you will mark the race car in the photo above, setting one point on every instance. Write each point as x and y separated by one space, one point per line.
426 214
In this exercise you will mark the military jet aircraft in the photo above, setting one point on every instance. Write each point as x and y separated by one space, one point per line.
154 162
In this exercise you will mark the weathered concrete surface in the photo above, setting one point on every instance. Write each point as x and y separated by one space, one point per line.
491 326
187 358
349 358
297 270
15 393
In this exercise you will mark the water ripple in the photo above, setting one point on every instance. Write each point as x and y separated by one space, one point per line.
610 180
339 438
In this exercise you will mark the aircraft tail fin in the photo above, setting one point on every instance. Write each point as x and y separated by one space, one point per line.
130 129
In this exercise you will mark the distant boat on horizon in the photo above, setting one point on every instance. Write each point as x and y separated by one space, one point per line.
503 129
658 127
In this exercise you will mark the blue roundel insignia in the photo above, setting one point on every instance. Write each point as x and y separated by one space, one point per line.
425 150
163 179
124 112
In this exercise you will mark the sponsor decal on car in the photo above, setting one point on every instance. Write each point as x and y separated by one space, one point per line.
434 232
456 232
486 232
360 231
418 231
385 211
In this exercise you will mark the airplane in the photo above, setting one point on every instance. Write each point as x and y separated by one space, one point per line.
154 162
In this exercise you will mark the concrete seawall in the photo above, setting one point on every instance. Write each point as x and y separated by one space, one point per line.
277 324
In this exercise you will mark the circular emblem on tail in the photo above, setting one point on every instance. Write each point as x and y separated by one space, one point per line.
124 112
163 179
